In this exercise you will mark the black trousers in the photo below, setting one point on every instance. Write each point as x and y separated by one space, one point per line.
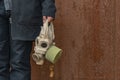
14 54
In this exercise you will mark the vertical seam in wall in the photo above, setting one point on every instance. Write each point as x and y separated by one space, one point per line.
114 41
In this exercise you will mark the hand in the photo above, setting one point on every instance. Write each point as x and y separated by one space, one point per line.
49 18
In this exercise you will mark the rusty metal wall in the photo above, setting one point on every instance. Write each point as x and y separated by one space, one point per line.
88 31
117 41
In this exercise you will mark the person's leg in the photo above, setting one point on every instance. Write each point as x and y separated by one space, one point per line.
20 60
4 50
4 47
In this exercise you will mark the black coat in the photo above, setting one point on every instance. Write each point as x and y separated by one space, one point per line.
27 17
2 8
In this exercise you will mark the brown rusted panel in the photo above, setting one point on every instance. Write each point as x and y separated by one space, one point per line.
85 30
117 41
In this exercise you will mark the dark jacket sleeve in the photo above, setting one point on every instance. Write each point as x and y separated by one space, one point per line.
48 8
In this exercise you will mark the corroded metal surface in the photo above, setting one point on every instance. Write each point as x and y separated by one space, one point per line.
85 30
117 41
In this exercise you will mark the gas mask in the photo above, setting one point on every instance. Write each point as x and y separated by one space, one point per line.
43 42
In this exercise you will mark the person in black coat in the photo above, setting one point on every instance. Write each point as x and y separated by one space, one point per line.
27 17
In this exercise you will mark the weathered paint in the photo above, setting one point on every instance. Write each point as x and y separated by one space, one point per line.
88 32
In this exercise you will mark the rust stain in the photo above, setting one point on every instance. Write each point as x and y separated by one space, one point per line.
74 5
